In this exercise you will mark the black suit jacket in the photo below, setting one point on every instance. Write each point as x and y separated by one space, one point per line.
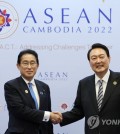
107 121
23 116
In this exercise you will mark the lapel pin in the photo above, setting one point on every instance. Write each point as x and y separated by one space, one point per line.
41 93
114 82
26 91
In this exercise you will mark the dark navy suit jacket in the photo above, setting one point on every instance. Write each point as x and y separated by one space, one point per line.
23 116
86 106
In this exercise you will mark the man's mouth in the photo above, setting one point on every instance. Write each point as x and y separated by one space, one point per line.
99 66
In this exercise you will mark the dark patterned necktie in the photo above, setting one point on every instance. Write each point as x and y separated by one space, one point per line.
100 94
33 95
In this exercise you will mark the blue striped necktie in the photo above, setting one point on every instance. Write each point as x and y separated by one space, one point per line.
33 95
100 94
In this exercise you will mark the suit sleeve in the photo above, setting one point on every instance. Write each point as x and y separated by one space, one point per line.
18 108
76 112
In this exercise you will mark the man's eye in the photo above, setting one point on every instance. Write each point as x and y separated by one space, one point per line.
102 57
32 63
25 63
93 58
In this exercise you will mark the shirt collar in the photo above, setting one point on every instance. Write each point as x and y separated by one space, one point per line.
26 81
105 78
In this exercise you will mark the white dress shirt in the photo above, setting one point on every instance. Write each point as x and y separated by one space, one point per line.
47 113
105 81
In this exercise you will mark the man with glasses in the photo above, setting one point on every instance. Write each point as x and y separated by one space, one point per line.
28 100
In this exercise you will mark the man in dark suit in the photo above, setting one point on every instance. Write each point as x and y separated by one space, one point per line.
98 103
29 107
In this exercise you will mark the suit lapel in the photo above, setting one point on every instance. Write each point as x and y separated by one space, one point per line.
93 92
41 92
25 91
111 85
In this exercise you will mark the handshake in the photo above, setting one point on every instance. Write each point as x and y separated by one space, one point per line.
56 117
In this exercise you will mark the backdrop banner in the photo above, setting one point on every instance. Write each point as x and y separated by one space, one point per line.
61 32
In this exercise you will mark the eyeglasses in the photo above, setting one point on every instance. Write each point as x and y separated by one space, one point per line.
26 64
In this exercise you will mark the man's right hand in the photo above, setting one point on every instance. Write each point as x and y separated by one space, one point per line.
56 117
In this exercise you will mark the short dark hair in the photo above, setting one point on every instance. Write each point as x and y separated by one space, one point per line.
98 45
27 51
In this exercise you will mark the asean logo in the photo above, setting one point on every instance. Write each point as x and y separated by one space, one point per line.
8 20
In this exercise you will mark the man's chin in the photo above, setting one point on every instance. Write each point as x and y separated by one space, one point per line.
29 76
100 70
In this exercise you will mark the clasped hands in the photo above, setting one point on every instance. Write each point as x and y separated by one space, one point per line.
56 117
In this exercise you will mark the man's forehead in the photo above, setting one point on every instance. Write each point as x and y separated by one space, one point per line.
97 51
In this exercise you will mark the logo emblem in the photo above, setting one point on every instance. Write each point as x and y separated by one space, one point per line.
8 20
93 121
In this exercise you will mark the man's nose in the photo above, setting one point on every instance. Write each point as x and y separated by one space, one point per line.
29 65
98 60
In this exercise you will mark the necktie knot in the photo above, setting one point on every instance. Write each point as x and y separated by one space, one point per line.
30 85
100 82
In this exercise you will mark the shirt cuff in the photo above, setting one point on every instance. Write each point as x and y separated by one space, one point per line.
46 116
